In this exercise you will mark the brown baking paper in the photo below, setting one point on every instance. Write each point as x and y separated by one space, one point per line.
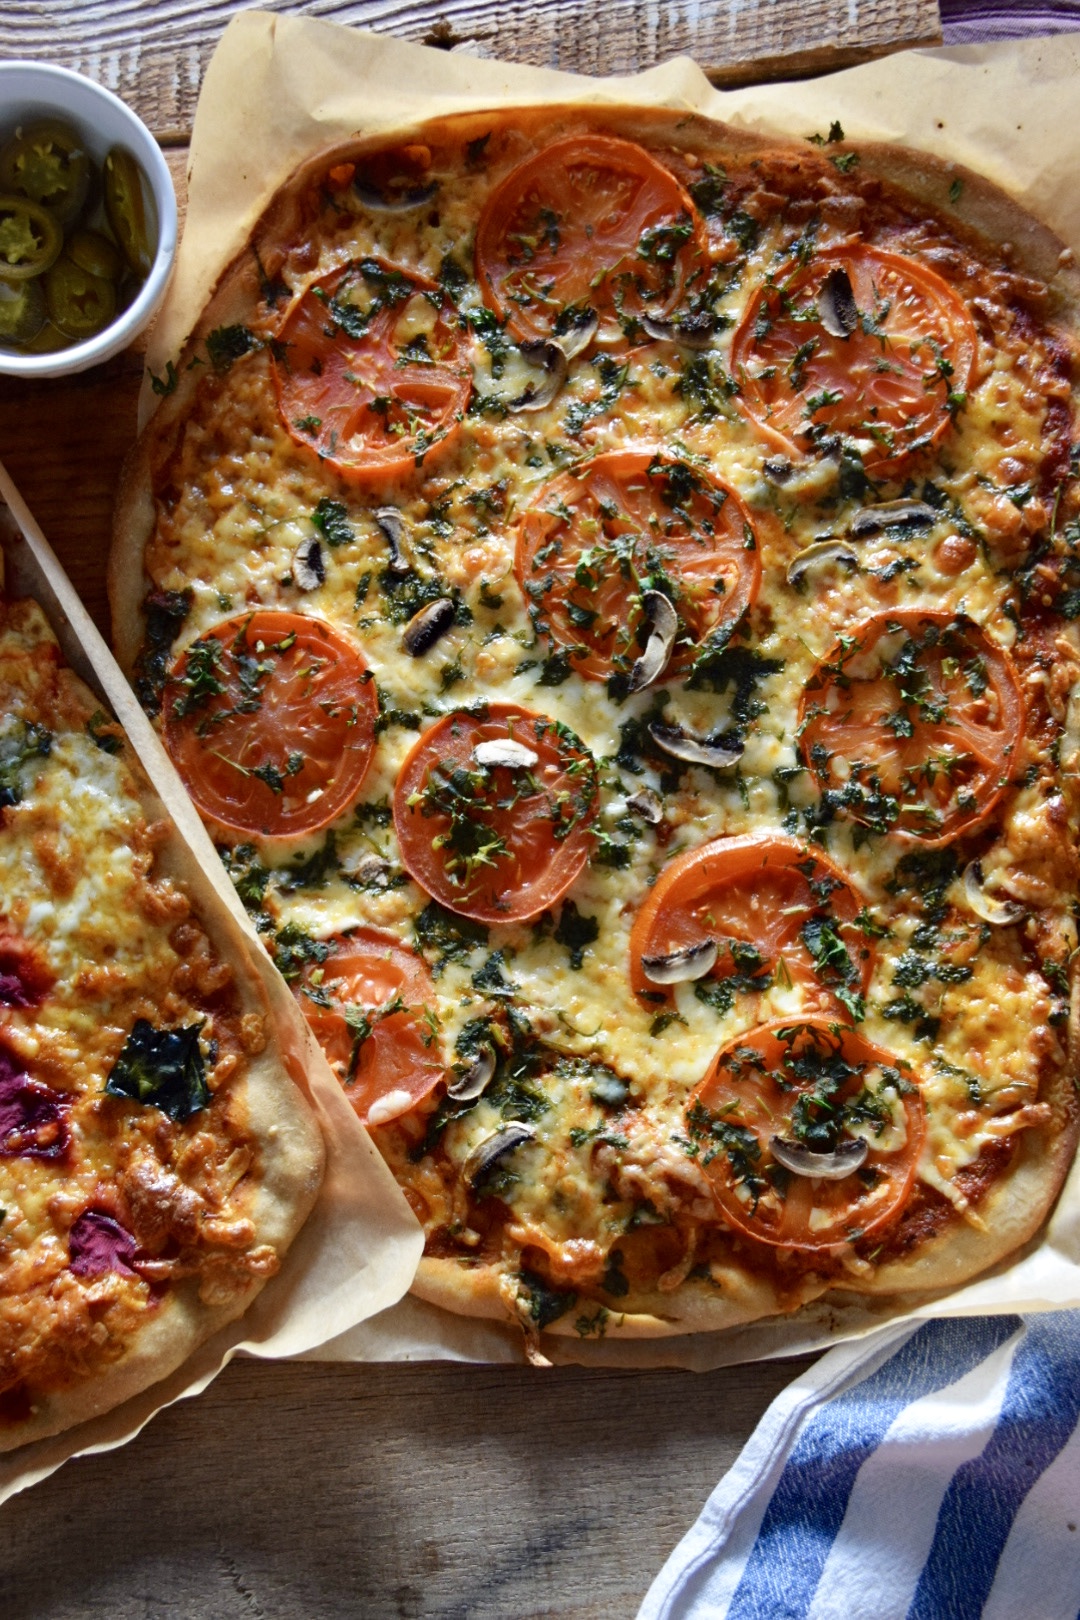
357 1252
280 88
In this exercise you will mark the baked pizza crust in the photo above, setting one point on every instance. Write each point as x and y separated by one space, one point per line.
995 224
285 1178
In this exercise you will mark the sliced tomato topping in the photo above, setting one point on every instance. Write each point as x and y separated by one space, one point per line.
369 369
499 842
270 720
628 522
590 222
890 382
913 722
370 1005
807 1094
778 913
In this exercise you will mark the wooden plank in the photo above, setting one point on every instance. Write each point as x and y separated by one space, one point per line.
153 52
395 1492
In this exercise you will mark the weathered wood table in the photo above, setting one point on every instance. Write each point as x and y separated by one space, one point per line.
327 1491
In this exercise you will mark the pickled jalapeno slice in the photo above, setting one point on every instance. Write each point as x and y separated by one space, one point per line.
47 162
80 304
22 311
125 207
30 238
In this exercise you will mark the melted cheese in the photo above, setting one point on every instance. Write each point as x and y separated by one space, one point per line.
978 1023
117 945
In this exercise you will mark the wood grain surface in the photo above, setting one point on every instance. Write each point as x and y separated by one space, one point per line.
385 1493
153 52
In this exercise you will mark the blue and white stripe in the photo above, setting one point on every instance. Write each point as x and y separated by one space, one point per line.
929 1473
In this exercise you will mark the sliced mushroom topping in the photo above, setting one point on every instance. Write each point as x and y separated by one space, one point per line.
778 469
403 203
477 1077
837 309
843 1161
580 329
999 913
505 751
691 331
392 527
425 628
682 744
309 564
679 967
648 805
551 359
486 1155
818 555
661 615
891 515
367 868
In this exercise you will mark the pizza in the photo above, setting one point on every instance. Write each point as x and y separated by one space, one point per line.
609 583
156 1159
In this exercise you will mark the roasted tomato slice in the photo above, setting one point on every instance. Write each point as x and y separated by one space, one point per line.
493 811
809 1134
627 523
270 720
859 342
591 222
913 720
370 1005
369 369
776 911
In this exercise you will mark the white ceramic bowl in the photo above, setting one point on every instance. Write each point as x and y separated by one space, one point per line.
32 90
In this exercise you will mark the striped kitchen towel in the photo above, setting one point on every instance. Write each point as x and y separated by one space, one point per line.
929 1472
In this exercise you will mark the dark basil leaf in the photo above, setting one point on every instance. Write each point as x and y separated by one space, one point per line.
162 1068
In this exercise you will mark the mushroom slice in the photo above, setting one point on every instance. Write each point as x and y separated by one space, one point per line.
477 1077
1000 913
425 628
891 515
404 203
580 330
845 1158
368 869
486 1154
661 615
692 331
309 564
505 751
679 967
818 555
392 528
777 469
648 805
551 359
837 309
682 744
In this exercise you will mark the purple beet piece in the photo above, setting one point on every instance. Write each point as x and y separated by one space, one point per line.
97 1243
32 1123
13 993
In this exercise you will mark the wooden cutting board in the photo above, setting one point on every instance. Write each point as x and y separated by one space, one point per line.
63 441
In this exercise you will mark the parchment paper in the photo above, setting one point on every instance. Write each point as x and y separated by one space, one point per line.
357 1252
279 88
